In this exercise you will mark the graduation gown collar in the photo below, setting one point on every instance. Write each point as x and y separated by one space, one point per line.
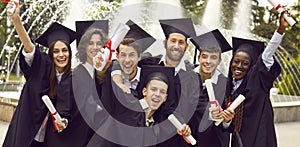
89 68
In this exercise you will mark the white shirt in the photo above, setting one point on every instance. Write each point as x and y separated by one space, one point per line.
181 64
29 56
214 77
267 55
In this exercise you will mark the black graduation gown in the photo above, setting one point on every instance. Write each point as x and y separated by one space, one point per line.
257 127
76 132
113 99
31 111
184 109
86 96
203 129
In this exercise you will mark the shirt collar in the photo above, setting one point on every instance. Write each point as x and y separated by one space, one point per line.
214 78
134 82
89 68
181 64
58 76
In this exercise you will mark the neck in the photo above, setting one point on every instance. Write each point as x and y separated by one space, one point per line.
149 113
171 63
132 75
205 76
59 70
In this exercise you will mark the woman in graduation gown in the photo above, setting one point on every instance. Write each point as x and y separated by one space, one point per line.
92 37
252 75
28 125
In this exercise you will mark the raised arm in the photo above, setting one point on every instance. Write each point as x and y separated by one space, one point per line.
24 37
272 46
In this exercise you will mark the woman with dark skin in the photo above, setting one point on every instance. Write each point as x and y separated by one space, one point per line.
252 75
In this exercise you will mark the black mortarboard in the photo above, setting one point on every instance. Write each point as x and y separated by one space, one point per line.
183 26
149 71
56 32
83 26
252 47
143 39
211 39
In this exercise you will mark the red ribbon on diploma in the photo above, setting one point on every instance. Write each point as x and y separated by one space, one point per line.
52 116
108 46
186 139
6 1
278 7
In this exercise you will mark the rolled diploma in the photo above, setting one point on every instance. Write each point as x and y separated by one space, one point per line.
12 10
289 19
179 126
52 110
210 91
116 39
233 105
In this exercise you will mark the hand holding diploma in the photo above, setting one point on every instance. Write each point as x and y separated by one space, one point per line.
281 9
109 52
182 129
211 94
12 7
215 108
53 111
232 106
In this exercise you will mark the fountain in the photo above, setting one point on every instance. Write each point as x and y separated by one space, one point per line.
139 11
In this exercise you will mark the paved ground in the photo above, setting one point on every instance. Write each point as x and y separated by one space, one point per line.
287 133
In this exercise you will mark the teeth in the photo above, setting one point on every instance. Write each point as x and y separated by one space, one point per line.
156 100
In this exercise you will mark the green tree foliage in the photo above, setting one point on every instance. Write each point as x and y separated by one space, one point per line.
195 9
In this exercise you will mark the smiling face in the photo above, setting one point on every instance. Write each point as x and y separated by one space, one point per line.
240 65
128 59
155 93
208 62
93 47
175 47
61 55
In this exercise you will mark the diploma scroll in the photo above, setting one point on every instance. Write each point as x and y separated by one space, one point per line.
111 46
280 9
11 10
179 126
211 94
52 110
233 105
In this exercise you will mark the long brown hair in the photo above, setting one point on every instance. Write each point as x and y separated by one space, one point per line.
53 79
84 41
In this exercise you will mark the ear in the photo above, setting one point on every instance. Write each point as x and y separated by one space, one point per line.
144 91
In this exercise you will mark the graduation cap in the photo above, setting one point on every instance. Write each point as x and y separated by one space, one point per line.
56 32
83 26
210 39
252 47
183 26
143 39
150 72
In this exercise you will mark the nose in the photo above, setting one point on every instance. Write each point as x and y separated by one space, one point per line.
127 59
95 46
208 60
176 45
60 53
239 65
